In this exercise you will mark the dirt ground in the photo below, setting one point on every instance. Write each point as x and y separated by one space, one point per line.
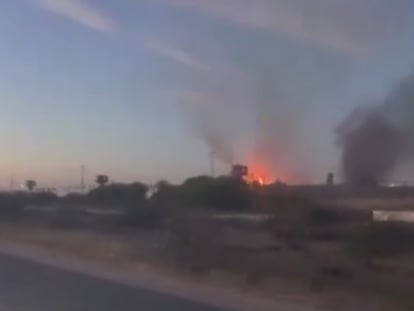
115 258
286 282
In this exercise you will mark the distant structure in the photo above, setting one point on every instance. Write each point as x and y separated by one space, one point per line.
30 184
239 171
102 180
330 179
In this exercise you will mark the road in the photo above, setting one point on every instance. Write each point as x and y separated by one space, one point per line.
29 286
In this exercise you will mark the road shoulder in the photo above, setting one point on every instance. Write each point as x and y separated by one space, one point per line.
144 276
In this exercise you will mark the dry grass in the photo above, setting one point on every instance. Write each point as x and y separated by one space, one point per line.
276 274
377 203
84 244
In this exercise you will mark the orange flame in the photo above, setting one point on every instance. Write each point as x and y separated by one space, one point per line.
259 173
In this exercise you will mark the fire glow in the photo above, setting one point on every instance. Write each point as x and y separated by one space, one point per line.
253 179
259 174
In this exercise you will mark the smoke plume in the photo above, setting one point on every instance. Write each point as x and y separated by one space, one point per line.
247 122
218 145
376 140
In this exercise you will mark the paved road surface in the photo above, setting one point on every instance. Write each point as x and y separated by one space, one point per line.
28 286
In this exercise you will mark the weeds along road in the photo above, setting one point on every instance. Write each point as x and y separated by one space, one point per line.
29 286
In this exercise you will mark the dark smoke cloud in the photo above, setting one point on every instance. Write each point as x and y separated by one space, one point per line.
376 140
371 146
400 107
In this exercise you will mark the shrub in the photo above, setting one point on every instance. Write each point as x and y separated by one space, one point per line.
68 217
145 216
74 198
194 241
380 240
324 216
222 193
41 199
296 218
166 194
11 206
119 194
230 194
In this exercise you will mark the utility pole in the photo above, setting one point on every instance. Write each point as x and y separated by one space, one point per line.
82 178
12 182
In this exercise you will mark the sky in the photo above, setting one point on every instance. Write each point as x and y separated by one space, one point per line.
126 87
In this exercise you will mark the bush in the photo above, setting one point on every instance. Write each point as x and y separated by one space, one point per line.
124 195
146 217
230 194
11 206
74 198
41 199
296 218
380 240
68 217
166 194
194 241
324 216
222 193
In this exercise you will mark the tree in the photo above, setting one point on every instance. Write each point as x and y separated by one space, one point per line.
30 184
102 180
382 240
126 195
330 179
165 193
221 193
135 192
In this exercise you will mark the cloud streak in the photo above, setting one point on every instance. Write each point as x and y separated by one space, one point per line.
80 12
340 24
175 54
